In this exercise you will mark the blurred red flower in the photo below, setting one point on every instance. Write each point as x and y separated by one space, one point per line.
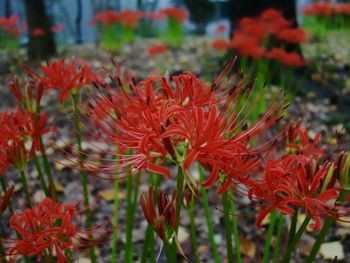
177 13
38 32
156 49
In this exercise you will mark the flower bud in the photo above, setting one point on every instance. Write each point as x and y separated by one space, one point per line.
344 170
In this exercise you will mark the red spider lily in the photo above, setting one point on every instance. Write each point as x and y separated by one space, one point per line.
297 181
292 35
343 169
166 210
130 18
50 229
319 9
57 28
342 9
10 25
221 44
5 199
16 130
65 76
156 50
152 122
177 13
38 32
274 21
247 45
300 141
290 59
107 17
220 28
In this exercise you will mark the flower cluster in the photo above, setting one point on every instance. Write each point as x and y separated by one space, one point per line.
326 9
49 229
177 13
157 49
152 122
18 131
254 35
10 25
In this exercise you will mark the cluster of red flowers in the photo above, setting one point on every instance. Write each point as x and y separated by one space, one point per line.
185 124
130 18
63 76
18 131
156 49
49 229
253 34
326 8
10 25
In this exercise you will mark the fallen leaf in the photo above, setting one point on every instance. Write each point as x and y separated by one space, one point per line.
247 247
59 187
108 194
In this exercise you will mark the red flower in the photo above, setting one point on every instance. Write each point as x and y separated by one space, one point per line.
292 35
156 50
300 141
220 28
221 44
16 130
38 32
57 28
319 8
10 25
66 77
130 18
166 210
177 13
247 45
107 17
297 181
155 15
5 199
48 228
290 59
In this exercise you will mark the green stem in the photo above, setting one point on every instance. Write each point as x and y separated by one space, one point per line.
130 212
269 236
115 221
47 167
278 238
180 196
25 188
83 174
293 227
193 229
40 174
168 251
228 229
324 231
148 245
294 241
204 198
235 231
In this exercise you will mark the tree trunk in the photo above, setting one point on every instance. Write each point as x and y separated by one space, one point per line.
39 47
7 8
78 22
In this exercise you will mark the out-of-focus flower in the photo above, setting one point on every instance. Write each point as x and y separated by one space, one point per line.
177 13
155 15
220 28
156 49
50 229
107 17
319 8
247 45
10 25
292 35
166 210
291 59
38 32
221 44
130 18
57 28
